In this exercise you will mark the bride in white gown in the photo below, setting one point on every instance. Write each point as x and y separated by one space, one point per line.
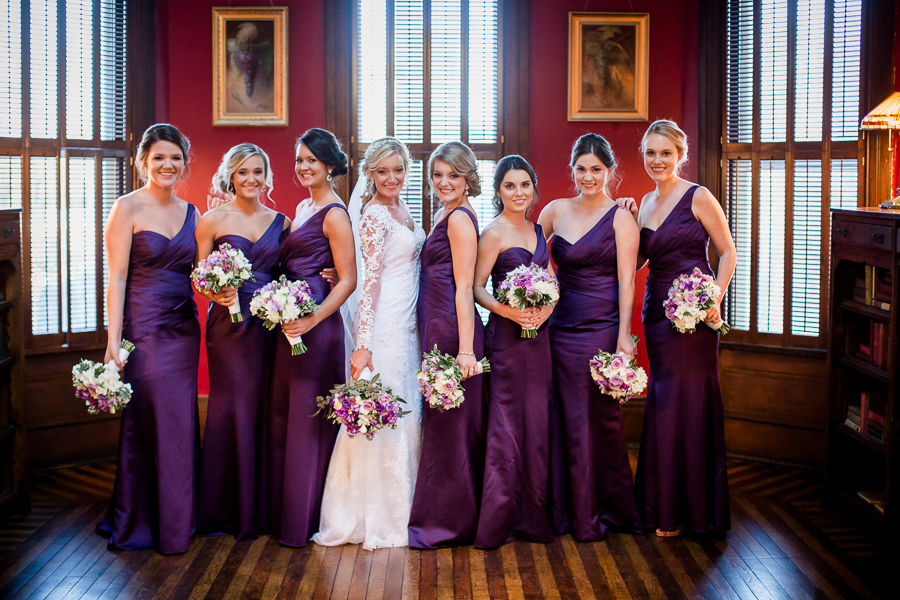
370 483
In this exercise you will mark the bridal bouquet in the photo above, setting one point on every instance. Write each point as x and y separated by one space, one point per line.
225 267
528 286
364 406
440 379
689 298
282 301
617 376
99 385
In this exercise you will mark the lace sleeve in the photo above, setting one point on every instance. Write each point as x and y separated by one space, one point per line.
373 230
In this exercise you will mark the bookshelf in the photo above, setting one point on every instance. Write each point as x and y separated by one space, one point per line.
862 470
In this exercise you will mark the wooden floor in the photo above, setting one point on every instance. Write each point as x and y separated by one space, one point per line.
782 546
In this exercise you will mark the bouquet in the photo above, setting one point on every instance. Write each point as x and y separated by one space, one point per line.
440 379
617 376
529 286
99 385
690 297
226 267
282 301
363 406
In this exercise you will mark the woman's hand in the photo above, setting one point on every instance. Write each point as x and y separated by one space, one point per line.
300 326
629 204
544 314
714 314
330 275
626 345
360 360
528 318
466 363
215 202
224 296
112 353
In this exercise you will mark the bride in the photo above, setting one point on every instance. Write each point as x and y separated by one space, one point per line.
370 483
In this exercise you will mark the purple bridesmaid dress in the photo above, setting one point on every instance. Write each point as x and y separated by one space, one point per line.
591 485
240 360
300 445
448 487
159 445
681 474
514 503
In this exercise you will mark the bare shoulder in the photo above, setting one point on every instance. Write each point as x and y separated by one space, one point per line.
336 217
459 219
492 232
623 221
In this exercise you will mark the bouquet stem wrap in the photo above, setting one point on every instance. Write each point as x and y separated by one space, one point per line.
282 301
297 345
529 286
234 310
125 350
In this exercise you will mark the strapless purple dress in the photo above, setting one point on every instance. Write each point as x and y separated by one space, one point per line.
681 475
159 445
300 445
514 503
240 361
451 469
591 485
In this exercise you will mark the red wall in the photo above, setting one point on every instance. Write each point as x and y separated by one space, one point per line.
184 98
672 95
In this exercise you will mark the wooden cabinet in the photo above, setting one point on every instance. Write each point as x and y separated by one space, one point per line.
862 467
13 457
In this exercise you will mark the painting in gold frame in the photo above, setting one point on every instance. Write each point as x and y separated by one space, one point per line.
250 66
609 58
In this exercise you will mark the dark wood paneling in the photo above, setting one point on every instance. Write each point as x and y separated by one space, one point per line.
73 444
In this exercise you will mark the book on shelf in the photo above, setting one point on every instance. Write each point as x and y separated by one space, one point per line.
849 423
871 497
870 284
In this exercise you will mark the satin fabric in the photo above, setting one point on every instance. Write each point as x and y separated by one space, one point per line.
240 359
591 485
447 496
152 505
300 446
514 503
681 475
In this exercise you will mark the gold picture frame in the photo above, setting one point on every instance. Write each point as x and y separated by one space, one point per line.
609 63
250 66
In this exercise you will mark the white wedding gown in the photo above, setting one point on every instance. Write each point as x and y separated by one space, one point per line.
370 483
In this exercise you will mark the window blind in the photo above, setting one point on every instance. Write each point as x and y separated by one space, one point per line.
11 77
371 79
773 70
446 70
44 226
770 279
113 183
43 69
409 70
79 69
739 71
82 244
845 71
413 190
809 78
482 61
113 73
806 257
739 211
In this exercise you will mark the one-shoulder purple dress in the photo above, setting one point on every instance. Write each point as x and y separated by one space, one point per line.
451 469
240 360
591 485
159 444
681 475
300 445
514 503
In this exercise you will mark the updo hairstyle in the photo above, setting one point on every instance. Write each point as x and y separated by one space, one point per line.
671 130
462 160
221 181
161 132
377 151
325 147
513 162
591 143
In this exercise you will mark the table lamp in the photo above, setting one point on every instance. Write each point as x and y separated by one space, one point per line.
887 116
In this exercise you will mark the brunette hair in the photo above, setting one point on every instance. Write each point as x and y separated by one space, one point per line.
513 162
591 143
326 147
161 132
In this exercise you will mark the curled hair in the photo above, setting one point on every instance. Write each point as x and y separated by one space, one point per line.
513 162
161 132
462 160
231 162
325 147
591 143
375 154
673 132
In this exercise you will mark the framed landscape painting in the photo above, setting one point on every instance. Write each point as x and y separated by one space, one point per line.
250 66
609 56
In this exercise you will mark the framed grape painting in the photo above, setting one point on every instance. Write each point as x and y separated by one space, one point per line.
250 66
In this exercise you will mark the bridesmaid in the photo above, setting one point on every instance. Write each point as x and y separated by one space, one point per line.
681 475
239 354
515 479
320 237
595 250
151 249
448 487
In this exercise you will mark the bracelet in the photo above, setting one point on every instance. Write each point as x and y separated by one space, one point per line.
465 354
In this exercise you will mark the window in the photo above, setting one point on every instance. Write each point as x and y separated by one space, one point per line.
427 72
64 154
790 151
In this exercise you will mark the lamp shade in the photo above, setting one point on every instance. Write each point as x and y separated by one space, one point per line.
884 116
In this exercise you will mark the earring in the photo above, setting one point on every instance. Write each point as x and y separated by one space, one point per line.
328 178
467 189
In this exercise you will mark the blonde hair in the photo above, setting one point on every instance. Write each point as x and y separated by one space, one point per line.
231 162
376 153
673 132
462 160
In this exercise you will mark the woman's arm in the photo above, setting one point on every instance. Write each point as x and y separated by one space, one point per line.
464 251
545 219
373 236
708 210
205 234
119 231
627 243
339 231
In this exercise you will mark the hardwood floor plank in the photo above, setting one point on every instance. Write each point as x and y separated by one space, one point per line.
478 574
396 569
719 553
326 574
633 554
771 583
145 572
756 586
544 571
378 575
115 579
287 573
444 575
410 590
562 575
614 580
710 570
89 580
220 559
311 569
693 589
512 580
592 569
342 576
658 566
531 584
462 578
260 571
360 578
428 575
758 533
576 567
493 568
